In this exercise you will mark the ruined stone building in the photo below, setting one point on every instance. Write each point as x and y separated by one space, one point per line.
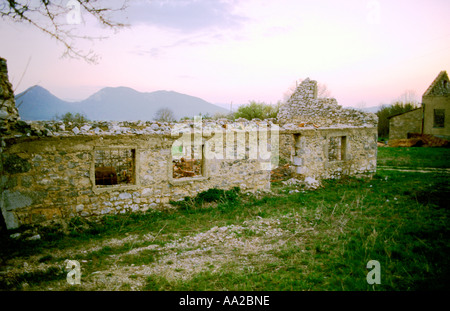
324 140
51 170
432 118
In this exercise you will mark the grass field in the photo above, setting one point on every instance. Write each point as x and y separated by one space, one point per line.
289 239
414 157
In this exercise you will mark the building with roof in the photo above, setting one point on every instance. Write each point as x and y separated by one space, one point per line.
432 118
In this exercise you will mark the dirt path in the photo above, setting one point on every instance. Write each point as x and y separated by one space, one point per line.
416 170
248 244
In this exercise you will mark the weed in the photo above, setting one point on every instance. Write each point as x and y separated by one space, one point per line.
45 258
226 199
33 278
144 257
400 219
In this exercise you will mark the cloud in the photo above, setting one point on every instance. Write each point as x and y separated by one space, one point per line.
184 15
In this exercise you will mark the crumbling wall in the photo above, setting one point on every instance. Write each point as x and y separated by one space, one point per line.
314 152
54 170
304 109
52 178
48 169
8 111
323 140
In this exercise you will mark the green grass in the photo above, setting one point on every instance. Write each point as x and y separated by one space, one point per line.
354 221
414 157
399 218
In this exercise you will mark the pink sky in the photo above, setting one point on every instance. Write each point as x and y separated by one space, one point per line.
231 51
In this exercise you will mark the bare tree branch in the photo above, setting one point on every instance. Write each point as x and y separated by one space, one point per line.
52 18
164 115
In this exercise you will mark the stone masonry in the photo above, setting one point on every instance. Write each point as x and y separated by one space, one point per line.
8 111
304 108
324 140
406 123
52 171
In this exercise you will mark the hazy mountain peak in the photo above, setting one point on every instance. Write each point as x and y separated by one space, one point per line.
112 91
38 90
113 103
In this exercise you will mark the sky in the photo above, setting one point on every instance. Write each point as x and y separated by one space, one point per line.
230 52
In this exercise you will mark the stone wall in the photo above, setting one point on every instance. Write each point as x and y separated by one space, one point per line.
304 113
8 111
441 102
437 97
408 122
304 108
314 152
49 178
54 170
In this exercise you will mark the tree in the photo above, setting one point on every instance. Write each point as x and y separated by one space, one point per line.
164 115
74 118
407 101
223 115
408 97
58 18
257 110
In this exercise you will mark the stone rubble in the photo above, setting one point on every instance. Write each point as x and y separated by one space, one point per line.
307 110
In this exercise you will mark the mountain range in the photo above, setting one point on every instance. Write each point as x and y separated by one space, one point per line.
112 103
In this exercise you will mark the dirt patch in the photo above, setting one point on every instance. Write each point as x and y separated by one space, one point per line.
248 244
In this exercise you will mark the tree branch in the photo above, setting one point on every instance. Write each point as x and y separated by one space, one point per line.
46 15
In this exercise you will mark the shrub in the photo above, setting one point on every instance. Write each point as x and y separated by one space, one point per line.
74 118
255 110
209 196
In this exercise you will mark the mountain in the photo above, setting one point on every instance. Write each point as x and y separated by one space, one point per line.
112 103
36 103
373 109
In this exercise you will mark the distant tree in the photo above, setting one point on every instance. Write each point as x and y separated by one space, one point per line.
408 97
206 116
407 101
164 115
74 118
186 118
221 115
257 110
323 91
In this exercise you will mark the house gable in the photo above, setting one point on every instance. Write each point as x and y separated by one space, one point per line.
436 103
440 86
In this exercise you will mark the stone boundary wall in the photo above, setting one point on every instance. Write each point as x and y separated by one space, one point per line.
52 178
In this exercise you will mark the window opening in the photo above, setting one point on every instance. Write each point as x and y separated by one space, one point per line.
115 166
187 161
337 146
439 118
